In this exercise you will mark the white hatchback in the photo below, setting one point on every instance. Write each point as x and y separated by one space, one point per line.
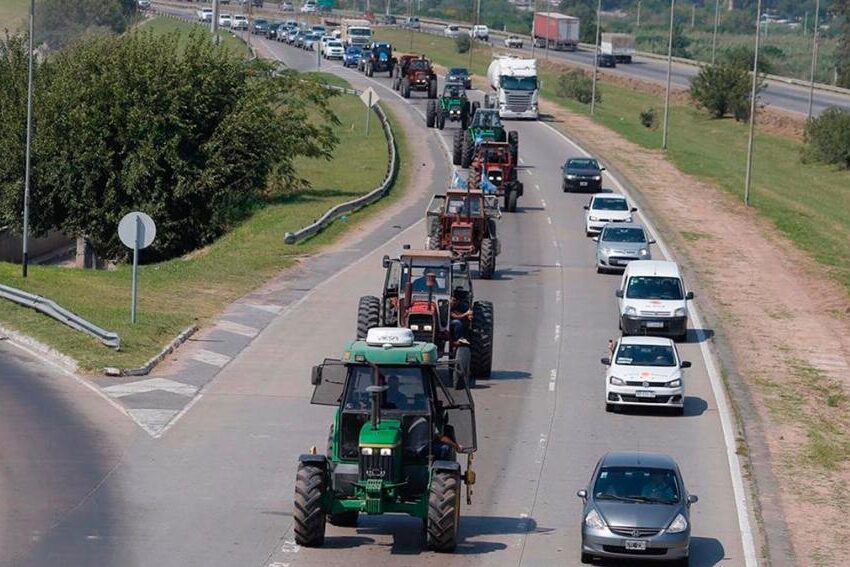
645 371
604 208
225 20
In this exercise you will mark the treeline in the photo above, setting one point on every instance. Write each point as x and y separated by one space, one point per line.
185 131
60 22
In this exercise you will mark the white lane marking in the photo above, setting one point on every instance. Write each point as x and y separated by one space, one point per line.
551 386
557 264
717 387
210 357
558 296
521 161
541 449
268 308
150 385
237 328
553 376
555 243
557 333
152 420
530 173
549 220
536 186
543 202
289 546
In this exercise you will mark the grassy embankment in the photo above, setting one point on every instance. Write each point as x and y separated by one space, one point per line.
164 25
809 203
13 14
196 287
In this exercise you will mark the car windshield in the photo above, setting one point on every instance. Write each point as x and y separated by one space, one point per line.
257 22
646 355
620 234
610 204
405 389
419 280
642 485
354 51
654 287
458 205
419 64
518 83
452 91
488 119
334 44
458 72
582 164
362 32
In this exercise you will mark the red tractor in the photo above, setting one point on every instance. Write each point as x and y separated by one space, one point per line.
496 161
422 291
464 222
414 72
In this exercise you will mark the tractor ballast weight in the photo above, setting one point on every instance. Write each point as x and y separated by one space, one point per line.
380 60
393 445
496 162
484 126
452 105
415 73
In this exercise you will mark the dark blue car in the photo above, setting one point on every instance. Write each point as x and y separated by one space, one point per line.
352 56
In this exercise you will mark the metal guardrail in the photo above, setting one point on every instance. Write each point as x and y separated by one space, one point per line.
54 310
367 199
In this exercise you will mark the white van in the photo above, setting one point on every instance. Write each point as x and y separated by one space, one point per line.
653 299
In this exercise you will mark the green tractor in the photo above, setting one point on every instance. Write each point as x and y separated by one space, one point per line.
394 443
485 126
452 105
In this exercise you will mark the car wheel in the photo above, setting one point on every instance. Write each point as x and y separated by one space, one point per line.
586 558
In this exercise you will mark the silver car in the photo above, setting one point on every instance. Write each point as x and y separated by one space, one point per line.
636 507
620 243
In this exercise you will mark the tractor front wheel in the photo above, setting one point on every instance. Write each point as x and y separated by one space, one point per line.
443 511
457 148
308 516
431 114
368 315
482 339
432 88
405 87
463 375
513 140
369 70
468 150
511 195
487 259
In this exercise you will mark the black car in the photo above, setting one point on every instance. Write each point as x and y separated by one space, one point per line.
582 174
459 74
606 60
260 27
389 19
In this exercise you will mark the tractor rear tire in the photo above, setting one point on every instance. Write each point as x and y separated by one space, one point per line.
487 259
482 339
457 148
368 315
405 87
441 120
432 88
396 83
443 512
511 195
464 118
468 150
463 375
433 242
344 519
369 70
308 516
431 114
513 140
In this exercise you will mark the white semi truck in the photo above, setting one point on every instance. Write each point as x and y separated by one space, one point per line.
515 81
355 32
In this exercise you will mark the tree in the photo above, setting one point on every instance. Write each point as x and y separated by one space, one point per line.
585 10
724 89
61 22
841 12
827 138
190 134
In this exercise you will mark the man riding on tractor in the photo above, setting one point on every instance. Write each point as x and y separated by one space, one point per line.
380 59
393 444
452 105
495 162
485 126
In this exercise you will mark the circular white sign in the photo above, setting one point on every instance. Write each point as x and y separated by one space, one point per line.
136 225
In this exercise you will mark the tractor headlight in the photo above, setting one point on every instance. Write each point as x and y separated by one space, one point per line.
386 452
366 451
414 327
427 327
616 381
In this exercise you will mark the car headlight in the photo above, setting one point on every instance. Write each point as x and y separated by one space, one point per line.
595 521
679 312
616 381
386 452
593 218
571 176
597 178
630 311
607 251
644 252
366 451
629 218
674 383
678 525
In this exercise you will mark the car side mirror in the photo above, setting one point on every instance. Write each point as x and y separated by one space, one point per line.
602 169
634 209
316 376
619 293
386 261
689 295
587 207
595 239
693 498
406 247
605 360
651 241
582 494
685 364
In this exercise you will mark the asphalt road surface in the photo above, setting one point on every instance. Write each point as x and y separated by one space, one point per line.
217 488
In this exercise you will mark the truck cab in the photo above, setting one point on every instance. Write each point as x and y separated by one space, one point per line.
517 89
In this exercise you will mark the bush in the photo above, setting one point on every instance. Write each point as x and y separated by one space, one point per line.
827 138
648 118
724 89
463 43
577 85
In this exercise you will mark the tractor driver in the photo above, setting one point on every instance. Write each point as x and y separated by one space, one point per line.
459 315
420 284
442 444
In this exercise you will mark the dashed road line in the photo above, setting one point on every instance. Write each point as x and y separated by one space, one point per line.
549 220
557 333
150 385
210 357
268 308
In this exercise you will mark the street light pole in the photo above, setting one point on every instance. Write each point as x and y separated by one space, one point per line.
595 59
714 37
814 59
472 35
749 179
27 168
638 14
214 23
669 73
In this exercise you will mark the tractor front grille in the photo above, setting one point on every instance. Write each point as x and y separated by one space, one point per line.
422 327
376 466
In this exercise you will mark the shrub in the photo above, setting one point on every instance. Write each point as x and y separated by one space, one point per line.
648 118
827 138
463 43
724 89
577 85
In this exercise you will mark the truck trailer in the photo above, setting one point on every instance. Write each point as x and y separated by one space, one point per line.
619 45
555 31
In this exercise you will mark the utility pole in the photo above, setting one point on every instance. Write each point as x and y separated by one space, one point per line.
471 35
548 26
595 59
250 22
214 23
25 257
814 58
638 14
714 37
669 73
533 19
693 15
749 179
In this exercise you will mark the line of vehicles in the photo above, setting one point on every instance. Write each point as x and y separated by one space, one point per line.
405 414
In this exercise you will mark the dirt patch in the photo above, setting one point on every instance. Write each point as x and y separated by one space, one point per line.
786 325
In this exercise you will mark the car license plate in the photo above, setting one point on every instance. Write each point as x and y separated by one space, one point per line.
644 394
582 183
635 545
654 325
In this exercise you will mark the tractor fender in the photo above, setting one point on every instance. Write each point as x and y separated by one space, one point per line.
447 466
316 460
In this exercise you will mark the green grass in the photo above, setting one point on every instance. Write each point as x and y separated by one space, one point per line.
807 202
164 25
13 14
175 293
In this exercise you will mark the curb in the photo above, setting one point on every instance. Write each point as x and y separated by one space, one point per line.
52 355
153 362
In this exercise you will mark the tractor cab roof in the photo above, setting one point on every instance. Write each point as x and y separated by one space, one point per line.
390 346
428 254
454 90
494 152
486 118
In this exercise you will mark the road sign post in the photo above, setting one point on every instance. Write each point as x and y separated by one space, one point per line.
137 231
370 99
